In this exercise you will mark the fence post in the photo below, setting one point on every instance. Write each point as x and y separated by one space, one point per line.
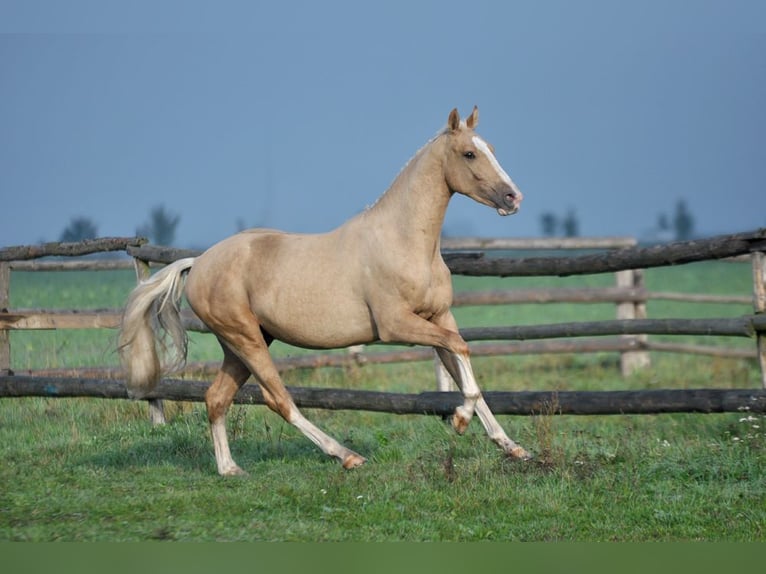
759 306
5 301
156 407
631 361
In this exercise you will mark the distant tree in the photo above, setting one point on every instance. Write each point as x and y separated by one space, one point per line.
79 228
662 222
161 227
683 221
570 225
550 224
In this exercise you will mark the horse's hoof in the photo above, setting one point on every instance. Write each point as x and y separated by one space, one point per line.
353 460
234 471
459 422
520 453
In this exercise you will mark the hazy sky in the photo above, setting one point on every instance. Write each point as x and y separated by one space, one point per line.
298 115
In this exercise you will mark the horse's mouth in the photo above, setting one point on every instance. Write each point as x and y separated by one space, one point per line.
512 203
502 211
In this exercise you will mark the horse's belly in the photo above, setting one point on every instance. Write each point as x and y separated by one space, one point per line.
318 324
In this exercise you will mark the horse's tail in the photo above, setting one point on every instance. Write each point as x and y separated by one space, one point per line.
152 318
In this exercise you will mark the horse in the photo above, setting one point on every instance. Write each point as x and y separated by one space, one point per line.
379 277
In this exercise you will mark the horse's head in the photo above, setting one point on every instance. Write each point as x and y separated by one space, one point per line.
471 168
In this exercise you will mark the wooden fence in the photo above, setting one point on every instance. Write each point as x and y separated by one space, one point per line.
624 258
628 295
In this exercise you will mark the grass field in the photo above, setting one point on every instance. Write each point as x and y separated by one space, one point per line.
88 469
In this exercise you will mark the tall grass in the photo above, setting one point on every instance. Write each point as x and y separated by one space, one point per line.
90 469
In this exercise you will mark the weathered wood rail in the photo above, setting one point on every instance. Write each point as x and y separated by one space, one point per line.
64 249
432 403
746 326
719 247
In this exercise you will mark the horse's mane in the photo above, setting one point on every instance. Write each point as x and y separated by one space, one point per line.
416 155
436 136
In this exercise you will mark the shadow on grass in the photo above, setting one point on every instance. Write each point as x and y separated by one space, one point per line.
166 446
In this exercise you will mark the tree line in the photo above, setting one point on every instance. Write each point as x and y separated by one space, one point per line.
160 227
679 225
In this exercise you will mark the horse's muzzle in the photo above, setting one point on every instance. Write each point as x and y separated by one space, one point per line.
509 201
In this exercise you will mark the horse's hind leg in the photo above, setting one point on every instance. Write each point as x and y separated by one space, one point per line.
248 343
218 398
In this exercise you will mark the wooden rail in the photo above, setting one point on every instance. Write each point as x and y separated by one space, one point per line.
110 318
534 243
746 326
432 403
677 253
58 249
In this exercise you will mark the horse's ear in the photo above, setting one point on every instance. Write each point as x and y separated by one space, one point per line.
473 120
453 122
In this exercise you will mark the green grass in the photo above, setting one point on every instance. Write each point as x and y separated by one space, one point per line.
89 469
95 470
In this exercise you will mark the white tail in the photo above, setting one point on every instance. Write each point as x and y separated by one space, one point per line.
151 318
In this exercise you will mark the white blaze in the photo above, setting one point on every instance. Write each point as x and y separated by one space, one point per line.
482 146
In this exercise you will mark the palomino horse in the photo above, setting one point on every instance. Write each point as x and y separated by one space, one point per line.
378 277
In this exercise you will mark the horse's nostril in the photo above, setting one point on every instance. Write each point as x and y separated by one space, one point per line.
513 196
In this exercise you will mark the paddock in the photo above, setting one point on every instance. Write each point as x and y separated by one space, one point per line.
630 331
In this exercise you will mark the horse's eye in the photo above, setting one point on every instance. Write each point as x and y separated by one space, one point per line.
469 155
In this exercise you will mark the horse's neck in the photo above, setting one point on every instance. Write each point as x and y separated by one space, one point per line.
411 212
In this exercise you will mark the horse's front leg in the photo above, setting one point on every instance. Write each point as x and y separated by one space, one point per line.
441 333
451 364
458 367
443 378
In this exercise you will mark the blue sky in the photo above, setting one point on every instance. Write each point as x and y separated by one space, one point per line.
297 115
